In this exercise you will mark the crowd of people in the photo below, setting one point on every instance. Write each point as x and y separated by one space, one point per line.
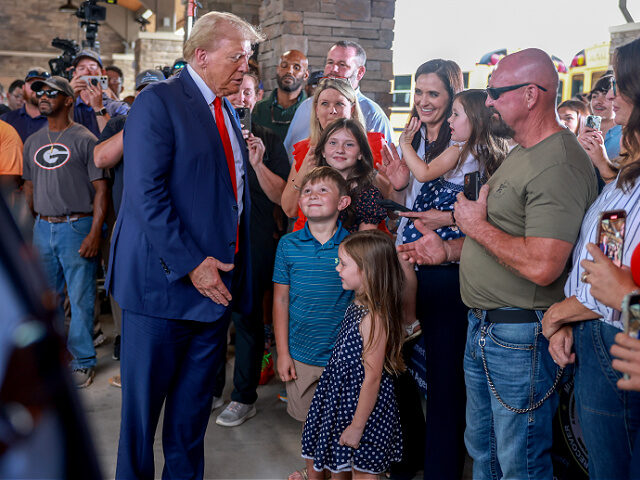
309 218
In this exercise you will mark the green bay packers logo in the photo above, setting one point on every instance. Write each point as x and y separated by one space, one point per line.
52 156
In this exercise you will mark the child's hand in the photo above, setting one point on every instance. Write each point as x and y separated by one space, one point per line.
351 437
406 137
286 368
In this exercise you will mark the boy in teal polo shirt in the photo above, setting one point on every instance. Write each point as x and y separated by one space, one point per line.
308 299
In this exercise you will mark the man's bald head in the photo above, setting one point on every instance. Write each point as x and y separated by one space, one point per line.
529 66
292 71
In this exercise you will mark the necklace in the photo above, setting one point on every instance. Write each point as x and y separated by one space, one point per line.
58 138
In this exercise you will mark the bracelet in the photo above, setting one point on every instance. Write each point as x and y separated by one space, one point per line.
401 189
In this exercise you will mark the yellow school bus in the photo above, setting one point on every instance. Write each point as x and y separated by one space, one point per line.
586 68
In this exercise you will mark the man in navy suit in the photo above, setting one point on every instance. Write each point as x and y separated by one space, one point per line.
180 248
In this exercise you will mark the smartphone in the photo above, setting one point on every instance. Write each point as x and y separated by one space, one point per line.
611 234
593 121
95 79
391 205
631 317
472 185
245 118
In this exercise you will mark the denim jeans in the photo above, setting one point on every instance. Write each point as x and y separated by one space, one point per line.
58 245
609 417
504 444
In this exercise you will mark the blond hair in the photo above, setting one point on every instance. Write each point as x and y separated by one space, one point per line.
209 28
344 88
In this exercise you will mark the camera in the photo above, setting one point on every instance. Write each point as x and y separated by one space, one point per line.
61 65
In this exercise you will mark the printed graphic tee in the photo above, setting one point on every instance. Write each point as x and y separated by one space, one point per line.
60 165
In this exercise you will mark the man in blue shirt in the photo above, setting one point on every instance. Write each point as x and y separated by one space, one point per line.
345 59
27 119
93 107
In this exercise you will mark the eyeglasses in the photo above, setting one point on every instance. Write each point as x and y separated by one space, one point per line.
495 92
614 87
279 122
37 74
48 93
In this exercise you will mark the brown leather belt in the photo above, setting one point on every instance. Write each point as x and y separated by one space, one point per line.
65 218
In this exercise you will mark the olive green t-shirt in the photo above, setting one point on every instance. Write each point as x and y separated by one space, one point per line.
541 191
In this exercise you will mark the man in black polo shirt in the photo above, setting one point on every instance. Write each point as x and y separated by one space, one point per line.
28 119
267 176
68 195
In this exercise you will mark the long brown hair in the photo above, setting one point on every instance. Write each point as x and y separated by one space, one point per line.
626 65
375 255
363 172
489 149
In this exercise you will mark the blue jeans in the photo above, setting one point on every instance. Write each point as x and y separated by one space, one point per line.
58 245
504 444
609 417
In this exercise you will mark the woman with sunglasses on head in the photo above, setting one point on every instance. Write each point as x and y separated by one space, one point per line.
603 145
441 313
586 320
333 99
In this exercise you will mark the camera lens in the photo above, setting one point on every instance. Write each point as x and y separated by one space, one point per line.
94 82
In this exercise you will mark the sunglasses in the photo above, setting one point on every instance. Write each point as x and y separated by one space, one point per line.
48 93
278 122
614 86
495 92
37 74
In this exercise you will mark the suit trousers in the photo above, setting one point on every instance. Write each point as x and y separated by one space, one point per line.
170 362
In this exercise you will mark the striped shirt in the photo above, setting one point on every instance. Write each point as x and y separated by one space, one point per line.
611 198
317 301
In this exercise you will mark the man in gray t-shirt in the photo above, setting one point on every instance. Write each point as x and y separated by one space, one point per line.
68 195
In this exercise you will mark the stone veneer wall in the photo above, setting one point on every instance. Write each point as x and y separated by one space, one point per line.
621 34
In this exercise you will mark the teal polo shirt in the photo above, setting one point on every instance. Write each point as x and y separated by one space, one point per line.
270 114
317 301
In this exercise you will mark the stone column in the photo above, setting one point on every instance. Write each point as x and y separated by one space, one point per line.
156 49
312 26
622 34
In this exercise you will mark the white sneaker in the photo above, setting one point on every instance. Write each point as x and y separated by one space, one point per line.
217 403
235 414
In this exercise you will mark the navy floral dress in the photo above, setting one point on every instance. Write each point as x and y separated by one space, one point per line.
367 209
334 404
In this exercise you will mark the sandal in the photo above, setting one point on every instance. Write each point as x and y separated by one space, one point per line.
412 331
304 475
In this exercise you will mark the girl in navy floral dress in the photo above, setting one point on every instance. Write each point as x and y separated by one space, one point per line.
344 146
353 427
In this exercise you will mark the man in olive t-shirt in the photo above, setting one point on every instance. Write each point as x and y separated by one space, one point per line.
520 233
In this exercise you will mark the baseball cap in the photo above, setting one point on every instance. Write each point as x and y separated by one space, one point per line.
87 53
37 72
56 83
146 77
315 77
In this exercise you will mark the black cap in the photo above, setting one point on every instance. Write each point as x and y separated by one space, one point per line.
56 83
37 72
87 53
146 77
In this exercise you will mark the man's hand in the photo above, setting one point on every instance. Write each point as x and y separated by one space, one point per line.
393 167
286 368
78 85
93 96
627 353
432 219
351 436
609 283
552 320
256 150
560 345
90 245
429 249
206 279
470 214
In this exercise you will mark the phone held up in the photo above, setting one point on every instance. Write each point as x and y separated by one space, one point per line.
472 185
95 79
593 121
245 118
631 316
611 234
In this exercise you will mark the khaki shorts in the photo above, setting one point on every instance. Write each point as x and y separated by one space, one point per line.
300 391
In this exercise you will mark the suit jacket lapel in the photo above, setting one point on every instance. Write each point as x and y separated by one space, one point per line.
204 116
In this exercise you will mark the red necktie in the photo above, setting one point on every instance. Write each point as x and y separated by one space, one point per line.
228 150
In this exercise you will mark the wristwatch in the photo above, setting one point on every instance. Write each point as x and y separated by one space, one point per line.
102 112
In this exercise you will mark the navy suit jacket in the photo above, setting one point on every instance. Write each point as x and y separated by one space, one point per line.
178 205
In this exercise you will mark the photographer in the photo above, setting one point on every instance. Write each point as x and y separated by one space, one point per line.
93 107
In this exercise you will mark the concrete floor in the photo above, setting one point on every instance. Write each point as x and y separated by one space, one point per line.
265 447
